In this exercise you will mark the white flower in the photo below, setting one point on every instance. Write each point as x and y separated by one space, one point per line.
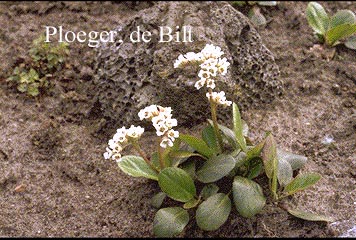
166 142
222 66
180 61
148 112
120 135
120 140
210 51
191 56
161 129
204 74
219 98
172 134
210 83
135 132
199 84
171 122
108 153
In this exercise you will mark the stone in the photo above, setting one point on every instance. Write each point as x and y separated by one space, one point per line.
130 76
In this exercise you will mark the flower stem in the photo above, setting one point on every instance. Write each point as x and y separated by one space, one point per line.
213 109
160 157
144 156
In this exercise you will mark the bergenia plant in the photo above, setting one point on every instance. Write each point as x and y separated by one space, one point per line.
223 161
339 28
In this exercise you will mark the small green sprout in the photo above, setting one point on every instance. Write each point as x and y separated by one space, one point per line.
254 13
33 75
339 28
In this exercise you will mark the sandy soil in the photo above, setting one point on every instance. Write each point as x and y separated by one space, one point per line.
52 146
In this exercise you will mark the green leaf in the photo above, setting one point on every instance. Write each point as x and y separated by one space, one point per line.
213 212
339 32
22 87
240 159
157 199
342 17
169 222
198 144
310 216
351 42
177 184
137 167
269 155
155 160
228 135
267 3
191 204
32 74
238 127
301 182
256 16
317 18
208 136
285 172
32 90
255 171
209 190
189 167
296 161
184 154
255 151
248 197
216 168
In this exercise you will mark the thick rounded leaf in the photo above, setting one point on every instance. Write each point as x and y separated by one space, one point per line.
228 135
191 204
310 216
342 17
213 212
137 167
248 197
296 161
255 171
285 172
184 154
208 136
209 190
317 17
339 32
216 168
157 200
177 184
189 167
269 156
351 42
301 182
169 222
240 159
198 144
237 122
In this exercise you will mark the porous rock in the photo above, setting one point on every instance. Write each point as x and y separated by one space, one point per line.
131 76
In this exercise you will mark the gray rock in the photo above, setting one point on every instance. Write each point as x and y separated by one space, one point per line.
131 76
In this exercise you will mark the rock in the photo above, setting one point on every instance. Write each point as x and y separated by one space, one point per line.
130 76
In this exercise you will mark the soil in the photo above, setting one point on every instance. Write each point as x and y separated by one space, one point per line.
54 180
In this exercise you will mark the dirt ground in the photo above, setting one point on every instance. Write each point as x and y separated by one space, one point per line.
51 148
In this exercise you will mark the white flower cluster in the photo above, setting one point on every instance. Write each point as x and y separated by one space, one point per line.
120 140
163 122
210 63
219 98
